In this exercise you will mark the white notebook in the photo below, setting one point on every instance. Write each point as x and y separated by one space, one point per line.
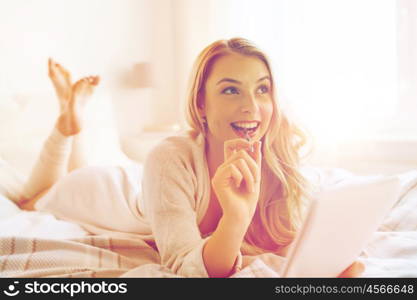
338 225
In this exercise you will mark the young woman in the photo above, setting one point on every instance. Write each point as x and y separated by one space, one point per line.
227 189
232 185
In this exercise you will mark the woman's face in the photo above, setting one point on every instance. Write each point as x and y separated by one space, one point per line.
238 98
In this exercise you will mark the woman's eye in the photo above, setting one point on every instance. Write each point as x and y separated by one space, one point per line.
230 90
263 89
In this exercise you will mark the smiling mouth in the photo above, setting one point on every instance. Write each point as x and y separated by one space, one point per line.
244 129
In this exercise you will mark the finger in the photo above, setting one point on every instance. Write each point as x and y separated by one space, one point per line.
235 174
258 152
354 270
253 167
226 173
235 144
247 175
358 268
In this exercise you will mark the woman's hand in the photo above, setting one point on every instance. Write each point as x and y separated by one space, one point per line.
236 182
354 270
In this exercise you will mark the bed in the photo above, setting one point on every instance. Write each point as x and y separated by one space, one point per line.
37 244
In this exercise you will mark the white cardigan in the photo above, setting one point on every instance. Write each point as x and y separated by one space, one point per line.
165 214
176 194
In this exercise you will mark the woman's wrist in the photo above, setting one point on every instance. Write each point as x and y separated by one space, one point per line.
222 248
237 218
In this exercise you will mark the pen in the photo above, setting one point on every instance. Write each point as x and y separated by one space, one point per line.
248 139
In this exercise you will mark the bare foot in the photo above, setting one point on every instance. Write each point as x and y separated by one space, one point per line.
82 90
70 121
61 79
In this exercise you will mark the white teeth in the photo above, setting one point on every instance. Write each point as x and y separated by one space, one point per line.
246 125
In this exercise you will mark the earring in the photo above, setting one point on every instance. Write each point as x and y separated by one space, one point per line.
204 121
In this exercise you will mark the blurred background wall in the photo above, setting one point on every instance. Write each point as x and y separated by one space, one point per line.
346 70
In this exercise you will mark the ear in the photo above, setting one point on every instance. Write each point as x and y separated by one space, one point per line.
201 111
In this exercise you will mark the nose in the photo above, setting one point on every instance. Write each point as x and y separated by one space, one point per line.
249 104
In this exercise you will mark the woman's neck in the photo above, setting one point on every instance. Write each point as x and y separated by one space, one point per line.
214 154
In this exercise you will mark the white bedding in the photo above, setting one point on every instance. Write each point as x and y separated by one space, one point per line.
391 253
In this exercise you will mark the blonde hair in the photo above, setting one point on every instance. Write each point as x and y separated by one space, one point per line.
280 207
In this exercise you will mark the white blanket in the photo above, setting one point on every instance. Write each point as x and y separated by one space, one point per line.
32 244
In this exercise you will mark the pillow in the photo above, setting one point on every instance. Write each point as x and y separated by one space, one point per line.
29 121
9 114
7 208
11 182
100 132
27 127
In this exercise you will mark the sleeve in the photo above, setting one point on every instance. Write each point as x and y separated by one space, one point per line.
169 205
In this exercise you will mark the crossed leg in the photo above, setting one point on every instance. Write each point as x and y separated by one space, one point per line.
63 149
76 97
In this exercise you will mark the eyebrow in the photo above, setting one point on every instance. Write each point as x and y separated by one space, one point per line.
238 82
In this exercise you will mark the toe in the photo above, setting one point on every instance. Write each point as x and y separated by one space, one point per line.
83 83
54 68
50 67
96 80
